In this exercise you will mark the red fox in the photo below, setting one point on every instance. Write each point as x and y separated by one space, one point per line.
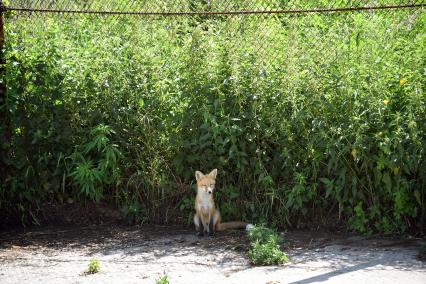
207 217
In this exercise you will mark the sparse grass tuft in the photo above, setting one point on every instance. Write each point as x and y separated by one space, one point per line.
94 266
163 280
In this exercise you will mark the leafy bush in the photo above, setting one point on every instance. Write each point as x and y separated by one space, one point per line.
325 120
265 248
95 164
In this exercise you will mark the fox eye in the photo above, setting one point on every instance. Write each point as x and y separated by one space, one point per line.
212 185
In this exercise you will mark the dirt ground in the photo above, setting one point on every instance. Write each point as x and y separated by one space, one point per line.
143 254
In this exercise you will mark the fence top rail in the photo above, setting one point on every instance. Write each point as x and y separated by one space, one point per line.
4 8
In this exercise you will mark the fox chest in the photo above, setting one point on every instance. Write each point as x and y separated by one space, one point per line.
205 207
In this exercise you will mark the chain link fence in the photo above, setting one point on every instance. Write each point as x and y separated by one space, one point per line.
271 22
205 7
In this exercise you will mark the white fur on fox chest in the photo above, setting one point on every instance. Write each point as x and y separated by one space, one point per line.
205 204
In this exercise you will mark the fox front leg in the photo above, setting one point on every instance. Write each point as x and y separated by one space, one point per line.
198 226
211 227
206 224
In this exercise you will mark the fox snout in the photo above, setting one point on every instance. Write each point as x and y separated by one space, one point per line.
210 191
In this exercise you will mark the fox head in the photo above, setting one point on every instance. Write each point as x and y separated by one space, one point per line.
207 182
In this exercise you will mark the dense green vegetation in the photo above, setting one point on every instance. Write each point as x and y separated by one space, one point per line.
307 118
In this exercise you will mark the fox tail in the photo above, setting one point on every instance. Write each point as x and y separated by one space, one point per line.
233 225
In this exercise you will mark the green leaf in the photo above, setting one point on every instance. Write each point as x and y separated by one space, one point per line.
387 181
417 196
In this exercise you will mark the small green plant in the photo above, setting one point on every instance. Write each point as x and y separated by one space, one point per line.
162 280
94 266
264 247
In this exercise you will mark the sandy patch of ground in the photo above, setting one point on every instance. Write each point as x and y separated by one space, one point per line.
143 254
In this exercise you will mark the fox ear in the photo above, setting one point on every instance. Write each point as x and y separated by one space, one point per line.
213 173
199 175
